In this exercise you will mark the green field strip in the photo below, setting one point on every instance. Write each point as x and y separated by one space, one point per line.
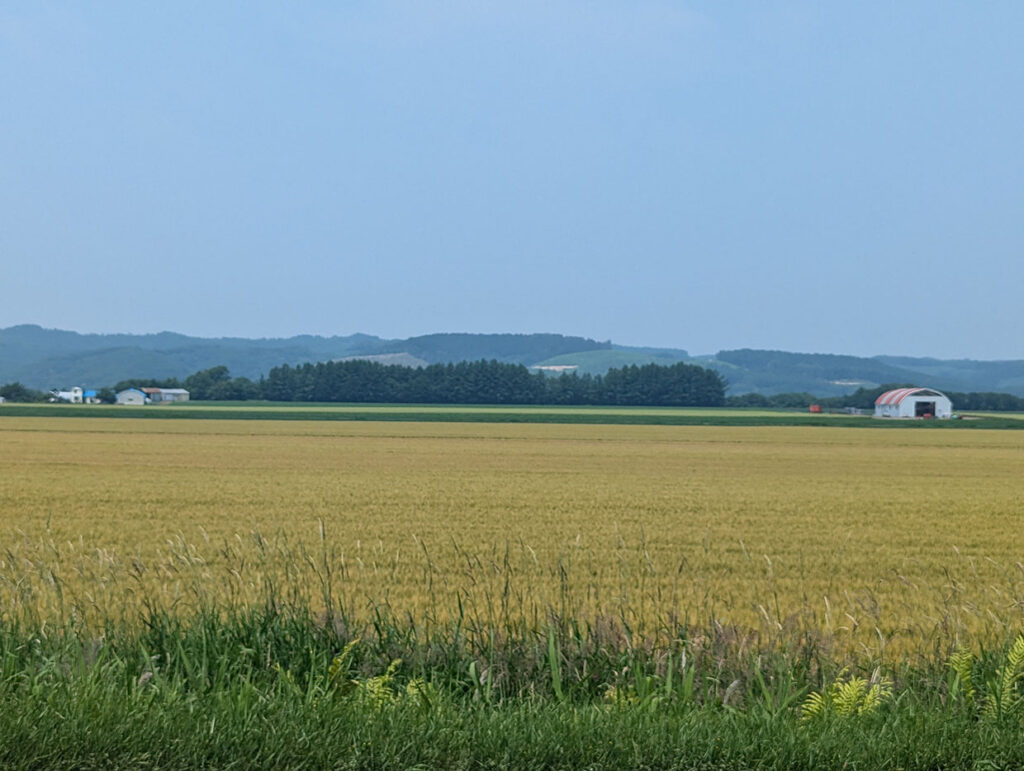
499 414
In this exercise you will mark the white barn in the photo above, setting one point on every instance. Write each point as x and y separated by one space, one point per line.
131 396
913 403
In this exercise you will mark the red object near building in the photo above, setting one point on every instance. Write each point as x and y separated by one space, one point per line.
815 408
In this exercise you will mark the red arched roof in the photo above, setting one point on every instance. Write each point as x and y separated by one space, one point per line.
898 395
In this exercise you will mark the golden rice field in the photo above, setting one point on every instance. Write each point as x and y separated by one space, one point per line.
883 540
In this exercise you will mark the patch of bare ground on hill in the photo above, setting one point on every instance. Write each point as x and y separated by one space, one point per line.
402 359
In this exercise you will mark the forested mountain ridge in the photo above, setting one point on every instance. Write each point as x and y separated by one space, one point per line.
773 372
49 358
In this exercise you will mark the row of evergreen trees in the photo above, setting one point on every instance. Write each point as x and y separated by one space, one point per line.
493 382
477 382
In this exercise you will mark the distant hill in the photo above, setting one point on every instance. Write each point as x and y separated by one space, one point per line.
52 358
1005 376
766 372
599 362
774 372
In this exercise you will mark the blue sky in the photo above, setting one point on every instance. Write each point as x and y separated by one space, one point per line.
824 177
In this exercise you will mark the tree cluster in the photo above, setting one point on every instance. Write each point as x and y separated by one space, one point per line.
216 384
476 382
493 382
16 392
985 401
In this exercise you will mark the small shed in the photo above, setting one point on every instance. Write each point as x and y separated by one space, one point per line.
166 395
913 403
131 396
173 395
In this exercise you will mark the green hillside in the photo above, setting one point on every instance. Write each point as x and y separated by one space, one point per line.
51 358
1007 376
774 372
599 362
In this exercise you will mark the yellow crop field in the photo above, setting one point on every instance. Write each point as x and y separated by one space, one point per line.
881 539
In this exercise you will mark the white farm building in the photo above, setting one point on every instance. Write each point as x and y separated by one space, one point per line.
73 395
131 396
913 403
165 395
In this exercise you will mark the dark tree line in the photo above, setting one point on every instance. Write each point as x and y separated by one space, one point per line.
493 382
986 401
864 398
477 382
16 392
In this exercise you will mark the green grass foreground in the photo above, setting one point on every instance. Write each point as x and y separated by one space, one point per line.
633 416
261 688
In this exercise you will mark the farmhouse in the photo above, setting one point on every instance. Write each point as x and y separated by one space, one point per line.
131 396
74 395
913 403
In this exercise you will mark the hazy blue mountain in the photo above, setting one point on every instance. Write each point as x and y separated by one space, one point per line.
775 372
51 358
1006 376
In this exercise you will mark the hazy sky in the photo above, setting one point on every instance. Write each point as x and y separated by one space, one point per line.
832 177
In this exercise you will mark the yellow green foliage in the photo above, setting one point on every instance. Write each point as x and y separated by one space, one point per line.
998 695
1011 675
961 663
847 698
